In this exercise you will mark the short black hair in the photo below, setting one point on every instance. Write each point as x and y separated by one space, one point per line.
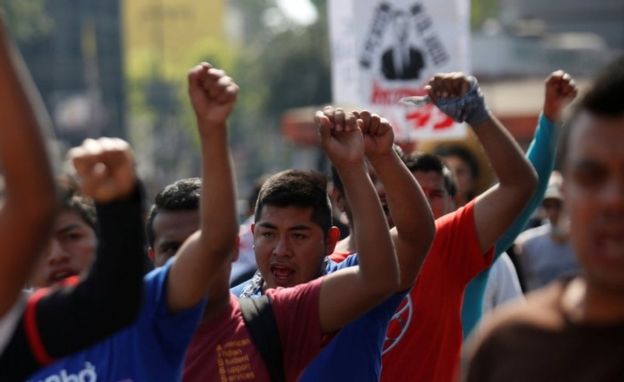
603 99
182 195
72 200
298 188
426 162
462 153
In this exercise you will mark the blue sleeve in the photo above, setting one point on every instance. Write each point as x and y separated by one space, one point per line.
541 154
238 290
173 330
350 261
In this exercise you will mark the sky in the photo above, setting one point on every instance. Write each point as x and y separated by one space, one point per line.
300 11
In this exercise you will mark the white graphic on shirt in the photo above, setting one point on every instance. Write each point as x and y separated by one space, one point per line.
399 323
87 374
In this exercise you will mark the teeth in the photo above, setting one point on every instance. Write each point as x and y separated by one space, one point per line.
61 275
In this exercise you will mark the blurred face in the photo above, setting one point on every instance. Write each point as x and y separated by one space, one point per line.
382 195
171 229
552 209
343 204
594 197
462 174
69 252
289 246
432 185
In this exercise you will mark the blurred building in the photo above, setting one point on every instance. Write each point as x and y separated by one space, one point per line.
162 40
531 38
77 67
167 34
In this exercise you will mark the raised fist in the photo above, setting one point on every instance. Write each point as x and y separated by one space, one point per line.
459 97
560 90
213 94
378 133
341 136
105 168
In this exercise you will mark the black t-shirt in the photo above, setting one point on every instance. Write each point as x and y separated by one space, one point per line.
61 321
537 342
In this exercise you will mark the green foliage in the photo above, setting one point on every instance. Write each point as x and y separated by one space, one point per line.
26 19
482 10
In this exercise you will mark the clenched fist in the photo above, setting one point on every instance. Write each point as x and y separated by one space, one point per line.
560 90
213 95
105 168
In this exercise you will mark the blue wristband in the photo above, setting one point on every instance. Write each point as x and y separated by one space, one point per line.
470 108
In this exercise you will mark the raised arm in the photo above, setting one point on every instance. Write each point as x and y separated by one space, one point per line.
414 226
207 253
348 293
74 317
460 98
560 90
29 196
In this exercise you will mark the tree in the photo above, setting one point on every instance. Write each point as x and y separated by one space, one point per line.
26 19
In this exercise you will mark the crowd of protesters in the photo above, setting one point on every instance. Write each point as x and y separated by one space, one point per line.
425 282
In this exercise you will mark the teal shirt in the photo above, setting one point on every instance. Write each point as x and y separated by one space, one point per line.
541 154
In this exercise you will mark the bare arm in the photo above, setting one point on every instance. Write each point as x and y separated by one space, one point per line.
414 227
516 182
65 320
30 199
349 293
496 208
204 257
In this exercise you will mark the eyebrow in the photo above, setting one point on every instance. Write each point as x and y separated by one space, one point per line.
169 243
68 228
298 227
586 164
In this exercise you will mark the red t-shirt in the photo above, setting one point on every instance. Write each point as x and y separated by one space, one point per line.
222 349
424 338
339 256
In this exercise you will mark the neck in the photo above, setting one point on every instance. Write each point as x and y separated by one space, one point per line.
585 302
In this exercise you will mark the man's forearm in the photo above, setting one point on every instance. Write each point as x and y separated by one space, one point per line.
410 212
218 208
504 154
30 197
541 154
374 249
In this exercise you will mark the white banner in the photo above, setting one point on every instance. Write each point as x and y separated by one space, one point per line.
385 50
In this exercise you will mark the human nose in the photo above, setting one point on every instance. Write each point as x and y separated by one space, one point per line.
56 253
282 247
613 195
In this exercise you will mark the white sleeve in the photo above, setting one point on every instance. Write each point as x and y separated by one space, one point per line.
503 284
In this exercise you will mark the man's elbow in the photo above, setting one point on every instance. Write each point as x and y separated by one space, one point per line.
416 254
409 272
528 185
386 283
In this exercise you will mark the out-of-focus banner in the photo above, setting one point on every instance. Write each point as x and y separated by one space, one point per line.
385 50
